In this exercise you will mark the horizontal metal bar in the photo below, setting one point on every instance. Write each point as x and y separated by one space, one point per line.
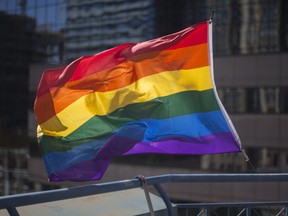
231 204
271 177
66 193
93 189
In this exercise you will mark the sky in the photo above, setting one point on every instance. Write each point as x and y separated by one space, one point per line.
49 14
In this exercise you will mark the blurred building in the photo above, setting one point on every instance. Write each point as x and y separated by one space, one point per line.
17 33
94 26
16 36
251 44
250 40
24 42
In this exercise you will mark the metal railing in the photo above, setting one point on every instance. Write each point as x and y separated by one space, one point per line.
237 208
245 208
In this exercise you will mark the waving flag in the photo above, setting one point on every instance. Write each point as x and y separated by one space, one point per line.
156 96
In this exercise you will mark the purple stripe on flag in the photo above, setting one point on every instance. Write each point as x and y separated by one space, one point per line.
94 169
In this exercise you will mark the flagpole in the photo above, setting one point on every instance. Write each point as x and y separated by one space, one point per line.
228 120
211 17
235 133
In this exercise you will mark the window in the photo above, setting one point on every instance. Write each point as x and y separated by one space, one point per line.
264 100
284 100
252 103
269 100
234 99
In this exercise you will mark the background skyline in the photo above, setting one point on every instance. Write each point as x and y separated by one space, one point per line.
250 49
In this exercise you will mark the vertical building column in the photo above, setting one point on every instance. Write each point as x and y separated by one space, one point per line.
6 172
264 160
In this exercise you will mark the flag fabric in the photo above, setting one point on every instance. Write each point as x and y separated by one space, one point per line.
156 96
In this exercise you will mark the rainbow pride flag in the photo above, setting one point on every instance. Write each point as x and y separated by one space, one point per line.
156 96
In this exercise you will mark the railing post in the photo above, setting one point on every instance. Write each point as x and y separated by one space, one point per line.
208 211
248 211
13 211
165 198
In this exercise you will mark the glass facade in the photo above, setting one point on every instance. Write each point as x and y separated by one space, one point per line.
31 32
50 15
94 26
87 27
245 26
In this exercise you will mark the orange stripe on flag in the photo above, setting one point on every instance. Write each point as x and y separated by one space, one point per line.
120 76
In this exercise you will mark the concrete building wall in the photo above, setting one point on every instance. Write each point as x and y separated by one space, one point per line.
256 129
252 70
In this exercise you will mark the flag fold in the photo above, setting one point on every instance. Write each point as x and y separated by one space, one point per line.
156 96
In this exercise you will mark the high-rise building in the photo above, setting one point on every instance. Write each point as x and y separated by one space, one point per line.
27 37
94 26
16 36
17 33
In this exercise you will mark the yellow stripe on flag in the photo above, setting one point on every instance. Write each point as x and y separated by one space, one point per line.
145 89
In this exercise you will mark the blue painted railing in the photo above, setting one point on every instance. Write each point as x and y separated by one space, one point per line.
247 208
